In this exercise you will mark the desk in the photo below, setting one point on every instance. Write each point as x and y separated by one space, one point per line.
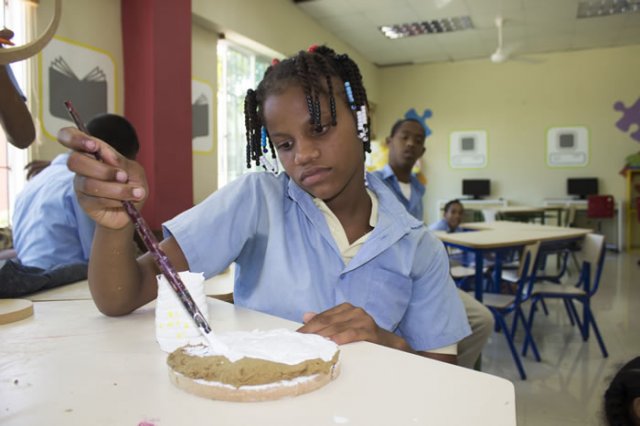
581 207
218 285
470 205
502 236
68 364
521 213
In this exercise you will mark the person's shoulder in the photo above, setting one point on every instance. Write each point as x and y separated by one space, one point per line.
439 225
388 204
256 186
260 180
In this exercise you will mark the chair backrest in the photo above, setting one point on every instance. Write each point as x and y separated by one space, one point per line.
570 216
489 215
592 257
600 206
527 271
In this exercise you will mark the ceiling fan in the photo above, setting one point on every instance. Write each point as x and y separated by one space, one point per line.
503 54
500 55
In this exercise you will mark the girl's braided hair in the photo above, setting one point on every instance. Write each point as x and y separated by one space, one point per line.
312 70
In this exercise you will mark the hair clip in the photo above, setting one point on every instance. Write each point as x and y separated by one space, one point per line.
362 123
274 62
263 139
312 48
349 92
268 165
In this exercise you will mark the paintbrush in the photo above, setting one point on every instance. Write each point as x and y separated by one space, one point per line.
159 256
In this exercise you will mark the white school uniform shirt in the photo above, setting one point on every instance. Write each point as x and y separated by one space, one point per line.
288 263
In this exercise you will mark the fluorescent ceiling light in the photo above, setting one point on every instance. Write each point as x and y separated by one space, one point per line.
598 8
444 25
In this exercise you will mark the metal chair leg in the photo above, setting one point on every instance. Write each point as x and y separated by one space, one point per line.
514 353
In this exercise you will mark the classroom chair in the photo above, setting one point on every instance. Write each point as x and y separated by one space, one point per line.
564 253
600 207
502 305
489 215
592 255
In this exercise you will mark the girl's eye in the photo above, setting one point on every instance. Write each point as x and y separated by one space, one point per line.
286 145
318 131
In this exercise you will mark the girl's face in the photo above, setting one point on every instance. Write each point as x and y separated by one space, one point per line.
454 215
327 163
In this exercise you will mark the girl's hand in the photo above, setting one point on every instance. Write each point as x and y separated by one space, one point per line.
102 185
346 323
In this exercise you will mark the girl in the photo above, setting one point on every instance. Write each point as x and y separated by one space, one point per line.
312 244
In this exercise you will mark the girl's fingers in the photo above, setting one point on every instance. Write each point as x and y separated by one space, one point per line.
85 165
109 190
74 139
96 204
308 316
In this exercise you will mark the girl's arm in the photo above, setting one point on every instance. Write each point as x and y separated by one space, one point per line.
119 282
346 323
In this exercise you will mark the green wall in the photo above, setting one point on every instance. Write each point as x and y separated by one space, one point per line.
516 103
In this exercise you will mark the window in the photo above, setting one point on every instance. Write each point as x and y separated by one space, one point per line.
13 160
239 69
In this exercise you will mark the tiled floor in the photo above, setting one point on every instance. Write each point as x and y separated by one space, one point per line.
567 387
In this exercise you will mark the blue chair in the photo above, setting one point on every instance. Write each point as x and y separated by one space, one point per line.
502 305
592 255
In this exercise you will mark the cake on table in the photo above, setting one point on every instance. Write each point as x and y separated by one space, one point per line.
255 365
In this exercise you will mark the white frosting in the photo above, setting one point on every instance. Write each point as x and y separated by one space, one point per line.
174 326
280 345
281 383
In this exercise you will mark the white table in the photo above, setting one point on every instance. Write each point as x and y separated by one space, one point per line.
216 286
70 365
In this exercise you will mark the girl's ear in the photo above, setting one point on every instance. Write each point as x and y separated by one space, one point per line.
388 140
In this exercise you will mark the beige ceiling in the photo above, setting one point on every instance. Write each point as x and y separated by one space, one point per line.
530 27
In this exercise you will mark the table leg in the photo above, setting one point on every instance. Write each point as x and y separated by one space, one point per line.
497 271
479 275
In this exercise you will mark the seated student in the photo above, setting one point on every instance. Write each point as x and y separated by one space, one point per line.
52 235
452 218
313 244
406 146
622 398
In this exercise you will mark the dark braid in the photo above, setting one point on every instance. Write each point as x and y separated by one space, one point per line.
253 126
302 68
312 71
316 89
325 70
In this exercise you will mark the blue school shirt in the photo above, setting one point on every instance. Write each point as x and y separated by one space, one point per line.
443 225
287 262
414 203
49 226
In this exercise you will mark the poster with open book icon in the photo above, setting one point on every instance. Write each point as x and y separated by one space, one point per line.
82 74
202 116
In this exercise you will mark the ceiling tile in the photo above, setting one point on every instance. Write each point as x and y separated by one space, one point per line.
529 26
326 8
391 16
437 9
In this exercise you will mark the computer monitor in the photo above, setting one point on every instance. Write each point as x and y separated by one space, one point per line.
476 188
582 187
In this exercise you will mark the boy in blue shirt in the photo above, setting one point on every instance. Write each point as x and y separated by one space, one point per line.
313 244
52 234
452 218
406 146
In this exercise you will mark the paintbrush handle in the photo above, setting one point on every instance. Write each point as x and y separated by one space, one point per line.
152 244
